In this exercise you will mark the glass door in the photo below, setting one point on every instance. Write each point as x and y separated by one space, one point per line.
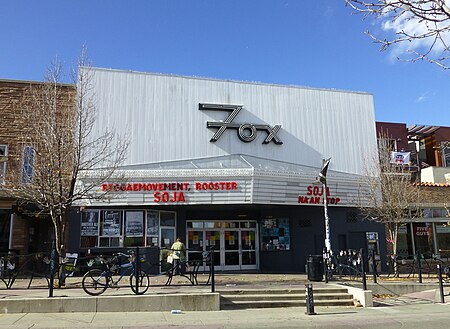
235 243
231 246
167 239
195 245
213 239
248 249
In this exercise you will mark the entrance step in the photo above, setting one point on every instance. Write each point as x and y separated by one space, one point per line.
272 298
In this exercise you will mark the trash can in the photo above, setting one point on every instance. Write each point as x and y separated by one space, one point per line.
314 267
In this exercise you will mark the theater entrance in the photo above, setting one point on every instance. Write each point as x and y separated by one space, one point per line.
235 243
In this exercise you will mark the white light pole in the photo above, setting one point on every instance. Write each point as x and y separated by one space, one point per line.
322 178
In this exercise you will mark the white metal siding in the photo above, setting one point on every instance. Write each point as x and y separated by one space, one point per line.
161 116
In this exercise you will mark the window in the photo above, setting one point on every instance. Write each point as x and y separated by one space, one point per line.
275 234
111 229
28 164
89 229
152 228
167 222
443 239
134 229
127 228
445 146
3 158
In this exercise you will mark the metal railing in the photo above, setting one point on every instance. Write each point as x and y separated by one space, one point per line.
51 267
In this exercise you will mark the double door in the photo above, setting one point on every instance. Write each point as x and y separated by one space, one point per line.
235 244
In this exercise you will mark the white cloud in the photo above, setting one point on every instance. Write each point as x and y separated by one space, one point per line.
423 97
414 26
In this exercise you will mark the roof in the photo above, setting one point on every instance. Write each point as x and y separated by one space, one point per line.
428 184
229 80
421 131
29 82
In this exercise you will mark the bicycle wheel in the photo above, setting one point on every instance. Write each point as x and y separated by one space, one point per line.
144 283
347 272
95 282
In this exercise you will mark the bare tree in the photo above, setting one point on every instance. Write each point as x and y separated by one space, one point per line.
59 145
420 28
391 195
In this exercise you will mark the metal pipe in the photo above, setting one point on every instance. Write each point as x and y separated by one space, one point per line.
213 283
136 270
363 269
441 285
374 267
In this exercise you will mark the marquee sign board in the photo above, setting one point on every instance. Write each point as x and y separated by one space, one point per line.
247 132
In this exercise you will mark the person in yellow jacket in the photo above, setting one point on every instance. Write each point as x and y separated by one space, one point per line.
178 254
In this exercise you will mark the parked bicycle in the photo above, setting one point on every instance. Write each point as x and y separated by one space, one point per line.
97 280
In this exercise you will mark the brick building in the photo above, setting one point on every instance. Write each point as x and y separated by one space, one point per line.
22 228
429 150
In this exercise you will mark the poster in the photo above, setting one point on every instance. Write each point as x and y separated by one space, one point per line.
231 240
89 223
152 224
134 224
111 224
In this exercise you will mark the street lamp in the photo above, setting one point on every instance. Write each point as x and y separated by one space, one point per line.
322 179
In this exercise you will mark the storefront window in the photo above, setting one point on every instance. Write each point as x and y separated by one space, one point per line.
248 224
443 239
214 224
126 228
230 224
439 213
152 228
404 248
134 229
89 229
427 213
167 218
110 228
275 234
194 224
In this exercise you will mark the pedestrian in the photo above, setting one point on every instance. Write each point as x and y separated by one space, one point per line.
178 254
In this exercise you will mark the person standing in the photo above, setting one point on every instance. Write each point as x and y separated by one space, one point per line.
178 254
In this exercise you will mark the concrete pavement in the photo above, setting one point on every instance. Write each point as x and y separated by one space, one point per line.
406 316
416 309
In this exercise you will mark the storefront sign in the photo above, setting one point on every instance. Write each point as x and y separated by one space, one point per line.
169 192
315 195
247 132
422 230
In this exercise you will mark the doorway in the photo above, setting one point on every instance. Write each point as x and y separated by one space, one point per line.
235 243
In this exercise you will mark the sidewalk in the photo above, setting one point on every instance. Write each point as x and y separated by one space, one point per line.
408 316
73 293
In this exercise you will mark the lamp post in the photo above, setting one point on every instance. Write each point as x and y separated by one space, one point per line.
322 178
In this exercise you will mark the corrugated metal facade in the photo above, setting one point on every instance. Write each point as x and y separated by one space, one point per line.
173 167
161 115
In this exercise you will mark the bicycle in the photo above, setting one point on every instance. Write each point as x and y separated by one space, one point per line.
96 281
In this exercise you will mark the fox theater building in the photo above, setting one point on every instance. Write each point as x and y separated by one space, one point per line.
230 165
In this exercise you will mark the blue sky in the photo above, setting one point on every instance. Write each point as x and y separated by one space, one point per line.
316 43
